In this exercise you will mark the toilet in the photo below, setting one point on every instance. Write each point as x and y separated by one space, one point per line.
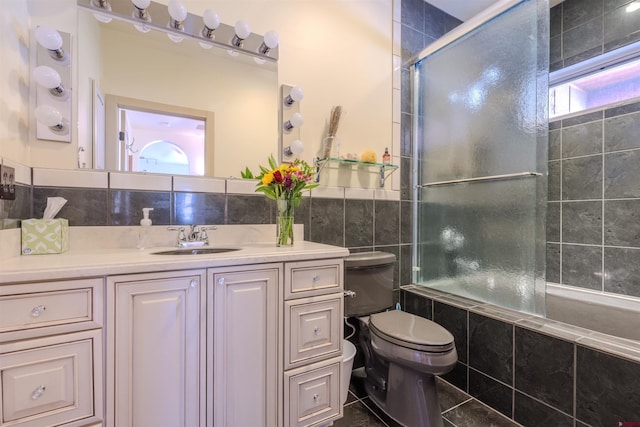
402 352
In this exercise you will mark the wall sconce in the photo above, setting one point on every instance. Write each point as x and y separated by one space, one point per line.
51 40
242 31
290 120
49 78
172 17
295 95
270 41
178 13
104 5
52 104
140 12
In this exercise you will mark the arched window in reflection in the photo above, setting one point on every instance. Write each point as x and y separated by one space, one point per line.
162 157
175 140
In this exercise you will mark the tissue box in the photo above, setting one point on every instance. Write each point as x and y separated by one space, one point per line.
45 236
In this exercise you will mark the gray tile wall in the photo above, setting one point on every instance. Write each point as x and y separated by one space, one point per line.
582 29
593 217
532 377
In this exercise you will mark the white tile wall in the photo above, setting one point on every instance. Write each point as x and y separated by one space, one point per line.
134 181
69 178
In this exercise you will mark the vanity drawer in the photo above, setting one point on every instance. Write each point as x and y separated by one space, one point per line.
50 384
313 394
314 328
307 278
36 309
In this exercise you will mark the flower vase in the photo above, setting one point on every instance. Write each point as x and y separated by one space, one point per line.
284 222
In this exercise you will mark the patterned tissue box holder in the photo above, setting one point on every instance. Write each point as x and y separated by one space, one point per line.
45 236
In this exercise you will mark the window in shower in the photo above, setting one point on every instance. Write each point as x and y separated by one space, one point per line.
603 80
480 128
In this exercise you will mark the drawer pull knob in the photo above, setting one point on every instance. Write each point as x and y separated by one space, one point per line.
39 391
316 278
193 283
221 281
316 398
316 331
38 310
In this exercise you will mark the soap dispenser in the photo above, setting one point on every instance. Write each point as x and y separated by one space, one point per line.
144 238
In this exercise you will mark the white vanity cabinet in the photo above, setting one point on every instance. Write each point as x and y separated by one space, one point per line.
51 353
243 323
313 316
155 357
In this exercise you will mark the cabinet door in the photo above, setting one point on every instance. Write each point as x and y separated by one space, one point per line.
157 344
244 325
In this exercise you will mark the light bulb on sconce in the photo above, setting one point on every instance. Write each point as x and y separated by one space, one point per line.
49 116
49 78
104 5
296 147
242 31
140 12
295 95
51 40
270 41
295 121
178 13
211 22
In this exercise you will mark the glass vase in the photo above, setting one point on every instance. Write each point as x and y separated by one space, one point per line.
284 223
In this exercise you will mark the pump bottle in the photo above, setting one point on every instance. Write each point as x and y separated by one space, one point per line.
144 238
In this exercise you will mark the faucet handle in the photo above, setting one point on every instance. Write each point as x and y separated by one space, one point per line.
181 235
203 233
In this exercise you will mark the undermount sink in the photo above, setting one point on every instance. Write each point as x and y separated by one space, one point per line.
195 251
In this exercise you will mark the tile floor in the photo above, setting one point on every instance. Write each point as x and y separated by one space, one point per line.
458 409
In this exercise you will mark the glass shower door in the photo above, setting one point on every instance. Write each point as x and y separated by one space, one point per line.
480 134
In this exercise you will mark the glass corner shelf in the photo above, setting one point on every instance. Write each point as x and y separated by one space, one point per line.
385 170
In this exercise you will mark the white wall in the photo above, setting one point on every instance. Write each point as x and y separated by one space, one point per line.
14 81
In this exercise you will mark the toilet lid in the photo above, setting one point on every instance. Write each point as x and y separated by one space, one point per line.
411 331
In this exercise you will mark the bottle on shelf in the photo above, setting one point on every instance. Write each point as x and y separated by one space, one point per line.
386 157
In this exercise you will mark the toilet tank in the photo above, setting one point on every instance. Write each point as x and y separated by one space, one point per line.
370 276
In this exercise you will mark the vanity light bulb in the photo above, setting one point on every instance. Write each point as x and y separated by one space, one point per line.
296 120
271 39
141 4
104 5
211 19
242 30
296 94
296 147
177 10
49 116
48 38
47 77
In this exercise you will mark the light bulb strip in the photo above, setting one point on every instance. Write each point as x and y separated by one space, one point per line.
56 97
192 27
288 133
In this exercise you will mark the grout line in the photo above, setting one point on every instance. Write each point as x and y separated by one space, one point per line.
374 413
458 405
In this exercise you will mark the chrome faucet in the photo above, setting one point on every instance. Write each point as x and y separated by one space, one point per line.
196 236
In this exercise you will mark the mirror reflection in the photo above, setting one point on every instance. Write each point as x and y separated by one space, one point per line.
148 67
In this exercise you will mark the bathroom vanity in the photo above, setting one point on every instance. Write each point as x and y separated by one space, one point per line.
124 337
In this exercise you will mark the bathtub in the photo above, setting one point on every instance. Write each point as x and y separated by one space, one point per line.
602 312
611 314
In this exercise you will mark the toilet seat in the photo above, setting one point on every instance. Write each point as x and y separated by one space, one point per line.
411 331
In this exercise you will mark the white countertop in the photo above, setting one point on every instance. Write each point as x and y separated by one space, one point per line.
83 260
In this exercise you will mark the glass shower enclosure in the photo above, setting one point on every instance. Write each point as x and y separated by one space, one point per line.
480 132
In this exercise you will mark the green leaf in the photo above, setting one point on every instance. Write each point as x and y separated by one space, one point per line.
246 174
